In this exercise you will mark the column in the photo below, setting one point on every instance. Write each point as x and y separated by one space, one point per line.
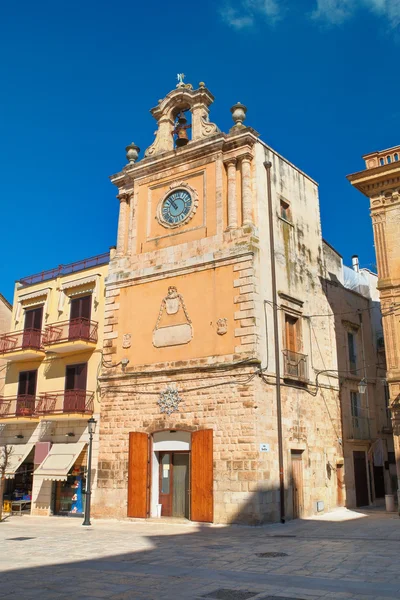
232 205
123 206
247 204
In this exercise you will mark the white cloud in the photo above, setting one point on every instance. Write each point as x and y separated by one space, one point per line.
389 9
251 10
242 14
335 12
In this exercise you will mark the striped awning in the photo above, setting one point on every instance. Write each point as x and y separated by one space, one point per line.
18 454
59 461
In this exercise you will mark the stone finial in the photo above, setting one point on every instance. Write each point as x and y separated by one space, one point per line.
202 84
239 111
132 152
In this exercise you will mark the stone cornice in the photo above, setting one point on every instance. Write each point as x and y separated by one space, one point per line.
219 143
372 182
163 369
139 276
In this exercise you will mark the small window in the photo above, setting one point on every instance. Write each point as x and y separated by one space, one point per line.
292 333
382 162
285 211
396 157
389 160
355 404
351 341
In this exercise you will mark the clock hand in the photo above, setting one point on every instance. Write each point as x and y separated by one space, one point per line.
174 204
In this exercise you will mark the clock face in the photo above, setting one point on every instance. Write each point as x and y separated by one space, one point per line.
176 207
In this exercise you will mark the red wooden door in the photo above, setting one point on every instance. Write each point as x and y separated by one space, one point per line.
32 328
79 320
201 471
138 475
26 393
166 483
75 388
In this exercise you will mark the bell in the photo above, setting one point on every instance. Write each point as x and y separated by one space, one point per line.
182 138
181 131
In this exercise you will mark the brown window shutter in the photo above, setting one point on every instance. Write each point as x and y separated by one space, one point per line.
201 471
138 475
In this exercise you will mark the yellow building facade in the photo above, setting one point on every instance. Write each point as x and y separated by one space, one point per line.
380 182
53 353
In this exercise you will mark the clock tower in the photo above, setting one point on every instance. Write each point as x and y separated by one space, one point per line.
188 423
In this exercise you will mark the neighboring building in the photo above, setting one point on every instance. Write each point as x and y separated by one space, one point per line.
54 349
5 322
190 424
369 472
380 182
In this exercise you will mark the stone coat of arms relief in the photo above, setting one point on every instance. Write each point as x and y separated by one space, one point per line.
173 326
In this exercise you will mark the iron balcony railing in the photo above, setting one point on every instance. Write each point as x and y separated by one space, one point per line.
66 401
295 365
360 428
17 406
94 261
20 340
69 331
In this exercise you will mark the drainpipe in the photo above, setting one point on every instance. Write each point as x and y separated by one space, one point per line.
268 166
370 459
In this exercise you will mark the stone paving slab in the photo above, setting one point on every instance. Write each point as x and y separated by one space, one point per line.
341 556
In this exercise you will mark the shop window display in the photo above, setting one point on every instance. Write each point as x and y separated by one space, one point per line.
69 496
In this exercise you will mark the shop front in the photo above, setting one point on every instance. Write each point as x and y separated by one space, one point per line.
19 479
65 469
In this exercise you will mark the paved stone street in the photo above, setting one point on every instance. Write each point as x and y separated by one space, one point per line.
343 555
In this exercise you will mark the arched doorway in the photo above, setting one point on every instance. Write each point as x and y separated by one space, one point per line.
166 460
170 482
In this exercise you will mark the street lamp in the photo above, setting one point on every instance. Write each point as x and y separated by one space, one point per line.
362 386
91 429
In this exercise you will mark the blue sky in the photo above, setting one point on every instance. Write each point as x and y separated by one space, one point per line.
319 78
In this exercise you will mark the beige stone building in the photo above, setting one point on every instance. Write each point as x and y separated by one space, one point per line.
5 321
52 348
380 182
369 471
221 391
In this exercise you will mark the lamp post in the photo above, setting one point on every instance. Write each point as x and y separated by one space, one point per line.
91 429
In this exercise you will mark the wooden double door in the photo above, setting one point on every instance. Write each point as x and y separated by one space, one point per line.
174 484
185 479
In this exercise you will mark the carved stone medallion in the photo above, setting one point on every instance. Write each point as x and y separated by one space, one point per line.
169 400
222 326
126 340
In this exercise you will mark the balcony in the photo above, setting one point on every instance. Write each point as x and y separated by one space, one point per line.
360 428
295 366
22 345
17 407
87 263
66 402
70 336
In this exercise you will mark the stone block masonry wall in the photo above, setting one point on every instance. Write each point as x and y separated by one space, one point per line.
242 416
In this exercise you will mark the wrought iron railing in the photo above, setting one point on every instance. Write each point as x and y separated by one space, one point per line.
69 331
295 365
94 261
19 340
66 401
360 428
17 406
